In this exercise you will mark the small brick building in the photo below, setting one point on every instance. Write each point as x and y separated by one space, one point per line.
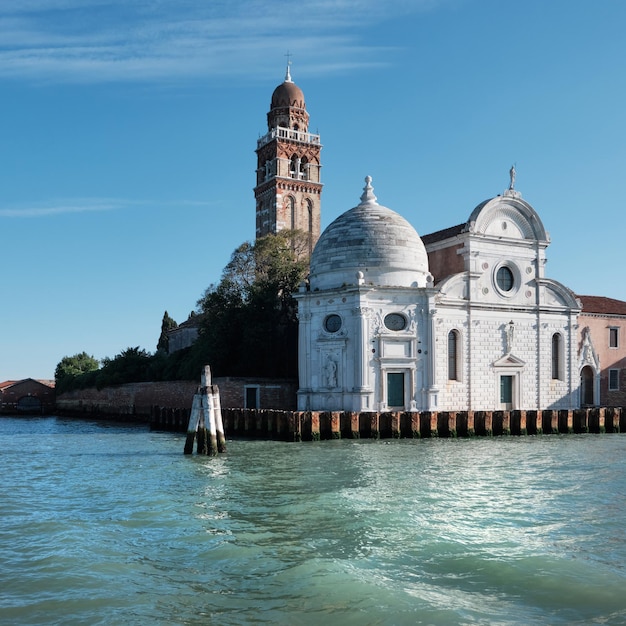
27 396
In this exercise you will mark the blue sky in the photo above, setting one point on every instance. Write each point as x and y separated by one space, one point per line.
129 128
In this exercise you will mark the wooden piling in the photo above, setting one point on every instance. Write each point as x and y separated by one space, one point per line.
532 427
446 424
579 421
192 429
205 419
518 422
612 419
315 425
566 421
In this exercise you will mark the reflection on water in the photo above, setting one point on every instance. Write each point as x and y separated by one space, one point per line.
110 524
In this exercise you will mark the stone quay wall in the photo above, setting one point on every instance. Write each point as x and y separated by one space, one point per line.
143 402
318 425
128 402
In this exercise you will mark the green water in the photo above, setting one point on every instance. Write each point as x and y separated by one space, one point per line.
110 524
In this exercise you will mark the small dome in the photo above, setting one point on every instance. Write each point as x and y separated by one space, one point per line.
288 94
372 245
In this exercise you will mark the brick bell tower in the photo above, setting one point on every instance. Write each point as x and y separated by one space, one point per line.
288 184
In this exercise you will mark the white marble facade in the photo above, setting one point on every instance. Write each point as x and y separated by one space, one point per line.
463 319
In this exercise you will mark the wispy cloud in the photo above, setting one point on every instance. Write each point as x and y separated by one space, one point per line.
113 40
90 205
61 207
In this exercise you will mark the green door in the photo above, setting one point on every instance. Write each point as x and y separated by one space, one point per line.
395 389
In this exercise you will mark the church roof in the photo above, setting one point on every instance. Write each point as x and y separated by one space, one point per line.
369 244
602 305
443 234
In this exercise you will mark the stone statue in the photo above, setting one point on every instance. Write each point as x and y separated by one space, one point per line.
510 329
330 371
512 175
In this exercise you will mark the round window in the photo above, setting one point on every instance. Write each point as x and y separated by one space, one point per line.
395 321
332 323
504 278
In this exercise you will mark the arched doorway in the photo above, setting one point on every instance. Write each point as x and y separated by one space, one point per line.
29 404
586 386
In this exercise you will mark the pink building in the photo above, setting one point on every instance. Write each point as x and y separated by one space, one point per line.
602 349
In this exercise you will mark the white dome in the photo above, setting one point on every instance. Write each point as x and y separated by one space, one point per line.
372 245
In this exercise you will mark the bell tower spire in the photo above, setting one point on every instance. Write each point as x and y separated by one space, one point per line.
288 182
288 72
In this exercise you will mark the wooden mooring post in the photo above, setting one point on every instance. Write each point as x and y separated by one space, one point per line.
205 421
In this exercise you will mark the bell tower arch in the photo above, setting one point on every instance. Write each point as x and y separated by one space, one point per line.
288 177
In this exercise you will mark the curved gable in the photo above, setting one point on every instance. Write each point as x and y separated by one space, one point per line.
453 287
507 216
554 293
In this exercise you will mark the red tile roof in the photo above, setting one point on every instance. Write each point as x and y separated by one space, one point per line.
9 383
600 304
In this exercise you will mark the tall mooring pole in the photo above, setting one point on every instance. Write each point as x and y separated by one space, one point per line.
205 421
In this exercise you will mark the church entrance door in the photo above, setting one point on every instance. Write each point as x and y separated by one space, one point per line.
586 386
395 389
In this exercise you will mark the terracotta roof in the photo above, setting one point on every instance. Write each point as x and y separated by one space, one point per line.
441 235
46 381
9 383
600 304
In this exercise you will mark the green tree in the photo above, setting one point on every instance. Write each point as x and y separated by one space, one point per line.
132 365
71 368
250 317
166 325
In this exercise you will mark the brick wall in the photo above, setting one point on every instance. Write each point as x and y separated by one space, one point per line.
138 398
445 262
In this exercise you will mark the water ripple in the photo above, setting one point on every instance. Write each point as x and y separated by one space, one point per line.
110 524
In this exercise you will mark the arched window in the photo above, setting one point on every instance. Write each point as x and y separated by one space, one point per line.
304 168
295 166
453 355
557 357
291 205
309 207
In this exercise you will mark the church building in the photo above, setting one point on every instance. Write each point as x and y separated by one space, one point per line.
462 319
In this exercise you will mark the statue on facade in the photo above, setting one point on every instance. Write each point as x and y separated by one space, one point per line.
510 329
330 372
512 174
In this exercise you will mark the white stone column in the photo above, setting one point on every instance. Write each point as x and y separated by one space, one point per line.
361 357
304 353
433 390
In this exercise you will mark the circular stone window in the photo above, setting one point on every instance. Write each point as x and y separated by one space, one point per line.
505 279
332 323
395 321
